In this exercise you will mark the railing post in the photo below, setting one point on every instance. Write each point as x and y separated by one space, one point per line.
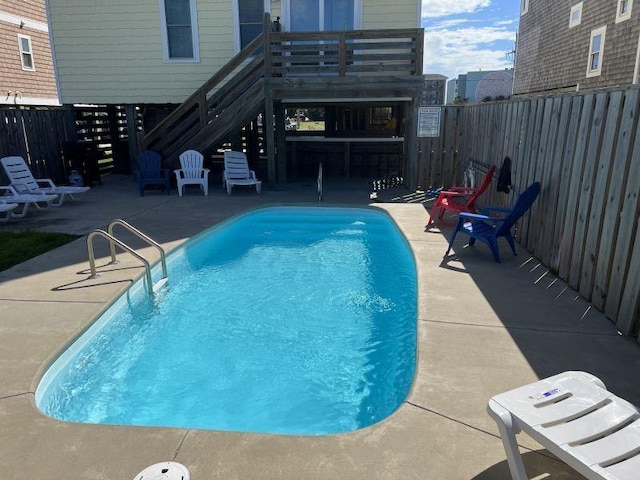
266 32
419 51
202 107
342 54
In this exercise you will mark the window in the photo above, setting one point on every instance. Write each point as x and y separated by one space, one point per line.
179 26
524 6
624 10
26 54
576 15
248 18
596 49
323 15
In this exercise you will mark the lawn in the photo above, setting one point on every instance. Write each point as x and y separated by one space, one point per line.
21 246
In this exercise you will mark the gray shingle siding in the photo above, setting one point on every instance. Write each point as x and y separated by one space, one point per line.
551 56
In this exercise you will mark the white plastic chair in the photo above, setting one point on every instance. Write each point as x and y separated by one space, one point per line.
236 172
6 209
8 194
192 172
21 178
576 418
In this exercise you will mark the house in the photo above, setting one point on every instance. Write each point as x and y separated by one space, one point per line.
26 67
201 73
569 45
481 86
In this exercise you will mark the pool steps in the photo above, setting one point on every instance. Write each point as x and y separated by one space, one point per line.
113 241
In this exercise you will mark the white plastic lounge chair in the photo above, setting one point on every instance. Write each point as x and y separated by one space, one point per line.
6 209
192 172
236 172
576 418
22 180
8 194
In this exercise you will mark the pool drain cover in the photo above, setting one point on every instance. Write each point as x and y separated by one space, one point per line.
164 471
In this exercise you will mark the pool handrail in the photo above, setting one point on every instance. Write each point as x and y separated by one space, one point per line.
140 235
112 240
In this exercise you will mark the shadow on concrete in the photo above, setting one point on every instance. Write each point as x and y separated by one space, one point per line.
539 465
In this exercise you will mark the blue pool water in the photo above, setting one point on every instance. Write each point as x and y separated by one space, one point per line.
286 320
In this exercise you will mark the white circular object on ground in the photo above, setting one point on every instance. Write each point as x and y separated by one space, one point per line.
164 471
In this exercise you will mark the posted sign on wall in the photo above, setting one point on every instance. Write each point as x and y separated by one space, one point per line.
429 121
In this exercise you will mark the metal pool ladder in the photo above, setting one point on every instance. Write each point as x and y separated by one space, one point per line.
113 241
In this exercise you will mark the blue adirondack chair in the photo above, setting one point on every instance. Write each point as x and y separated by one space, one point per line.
488 229
150 171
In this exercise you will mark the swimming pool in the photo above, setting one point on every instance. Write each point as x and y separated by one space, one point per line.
290 320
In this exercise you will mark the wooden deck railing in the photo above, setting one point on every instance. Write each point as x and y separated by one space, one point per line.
357 52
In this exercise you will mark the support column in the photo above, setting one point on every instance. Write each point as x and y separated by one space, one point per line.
281 143
132 133
269 138
411 144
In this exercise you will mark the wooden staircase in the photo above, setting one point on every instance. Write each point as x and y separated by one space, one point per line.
301 66
226 102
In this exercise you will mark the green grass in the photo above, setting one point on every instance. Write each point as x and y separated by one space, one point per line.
15 248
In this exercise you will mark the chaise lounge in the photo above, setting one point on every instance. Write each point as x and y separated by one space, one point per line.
576 418
23 182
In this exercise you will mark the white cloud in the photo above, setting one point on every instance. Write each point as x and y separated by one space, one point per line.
513 21
443 8
452 52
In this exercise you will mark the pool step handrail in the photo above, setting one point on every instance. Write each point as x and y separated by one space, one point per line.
112 240
140 235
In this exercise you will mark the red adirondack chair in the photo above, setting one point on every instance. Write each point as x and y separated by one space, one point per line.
459 199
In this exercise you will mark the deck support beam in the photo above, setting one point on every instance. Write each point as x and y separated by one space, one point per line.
281 143
269 137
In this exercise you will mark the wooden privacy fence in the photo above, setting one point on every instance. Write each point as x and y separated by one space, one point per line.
585 150
37 135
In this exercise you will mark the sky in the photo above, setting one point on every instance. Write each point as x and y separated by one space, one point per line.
468 35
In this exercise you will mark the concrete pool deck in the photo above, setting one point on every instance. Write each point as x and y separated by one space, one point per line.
483 328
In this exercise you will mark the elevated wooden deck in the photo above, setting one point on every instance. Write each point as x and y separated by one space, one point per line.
311 67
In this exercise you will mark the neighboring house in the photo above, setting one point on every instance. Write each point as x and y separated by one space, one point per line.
481 86
226 61
434 89
569 45
26 67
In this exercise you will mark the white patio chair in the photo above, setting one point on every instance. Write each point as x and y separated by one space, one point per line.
8 194
236 172
576 418
22 180
192 172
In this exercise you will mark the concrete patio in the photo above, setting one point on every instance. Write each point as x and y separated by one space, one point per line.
483 328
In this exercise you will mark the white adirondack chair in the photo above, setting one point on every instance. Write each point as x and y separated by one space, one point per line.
236 172
192 172
22 181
